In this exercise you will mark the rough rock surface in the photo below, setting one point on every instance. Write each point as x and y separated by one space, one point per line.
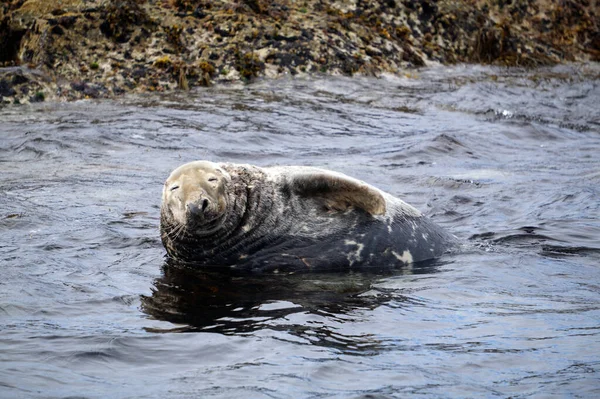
70 49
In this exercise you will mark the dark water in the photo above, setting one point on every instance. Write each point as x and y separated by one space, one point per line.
507 160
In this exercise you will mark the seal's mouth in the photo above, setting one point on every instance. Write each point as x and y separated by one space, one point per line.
204 214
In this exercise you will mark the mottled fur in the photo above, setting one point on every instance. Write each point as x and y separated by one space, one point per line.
289 218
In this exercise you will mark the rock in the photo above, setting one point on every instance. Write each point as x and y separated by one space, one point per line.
248 39
78 86
19 78
6 89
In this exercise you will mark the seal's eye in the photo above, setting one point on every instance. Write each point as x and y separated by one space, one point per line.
213 179
174 188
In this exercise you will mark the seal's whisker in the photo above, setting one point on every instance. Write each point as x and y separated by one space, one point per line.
173 231
181 232
177 232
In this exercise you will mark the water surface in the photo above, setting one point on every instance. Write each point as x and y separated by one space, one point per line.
507 160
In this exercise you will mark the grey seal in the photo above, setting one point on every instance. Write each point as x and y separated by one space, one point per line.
289 218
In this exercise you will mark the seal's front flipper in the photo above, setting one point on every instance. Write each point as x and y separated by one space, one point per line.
339 191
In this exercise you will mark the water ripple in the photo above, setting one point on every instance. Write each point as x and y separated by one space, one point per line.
506 159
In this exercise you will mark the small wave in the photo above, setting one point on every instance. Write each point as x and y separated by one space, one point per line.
38 147
557 250
525 235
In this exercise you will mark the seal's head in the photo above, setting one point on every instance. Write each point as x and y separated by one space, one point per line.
195 196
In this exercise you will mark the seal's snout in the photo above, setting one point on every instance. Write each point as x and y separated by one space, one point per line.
198 208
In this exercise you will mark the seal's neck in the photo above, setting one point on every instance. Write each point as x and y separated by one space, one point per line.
250 199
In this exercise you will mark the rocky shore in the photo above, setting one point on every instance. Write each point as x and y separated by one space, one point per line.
72 49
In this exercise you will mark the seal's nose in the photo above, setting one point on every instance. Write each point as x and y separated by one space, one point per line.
204 203
198 208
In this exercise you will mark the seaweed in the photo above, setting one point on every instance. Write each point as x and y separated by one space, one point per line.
120 17
248 64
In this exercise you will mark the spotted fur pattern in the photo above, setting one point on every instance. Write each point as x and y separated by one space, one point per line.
299 218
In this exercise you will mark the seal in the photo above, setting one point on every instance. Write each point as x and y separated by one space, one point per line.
289 218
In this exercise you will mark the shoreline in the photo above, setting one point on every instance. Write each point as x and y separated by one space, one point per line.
106 48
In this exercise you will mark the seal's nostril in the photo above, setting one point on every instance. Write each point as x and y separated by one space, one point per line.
204 204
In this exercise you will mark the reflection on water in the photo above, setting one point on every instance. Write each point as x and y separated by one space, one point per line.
506 159
229 301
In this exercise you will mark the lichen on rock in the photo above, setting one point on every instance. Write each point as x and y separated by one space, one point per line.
119 46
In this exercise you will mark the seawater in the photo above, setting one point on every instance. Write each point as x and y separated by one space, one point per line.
508 160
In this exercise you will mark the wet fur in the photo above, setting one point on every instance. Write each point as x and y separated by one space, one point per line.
298 218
